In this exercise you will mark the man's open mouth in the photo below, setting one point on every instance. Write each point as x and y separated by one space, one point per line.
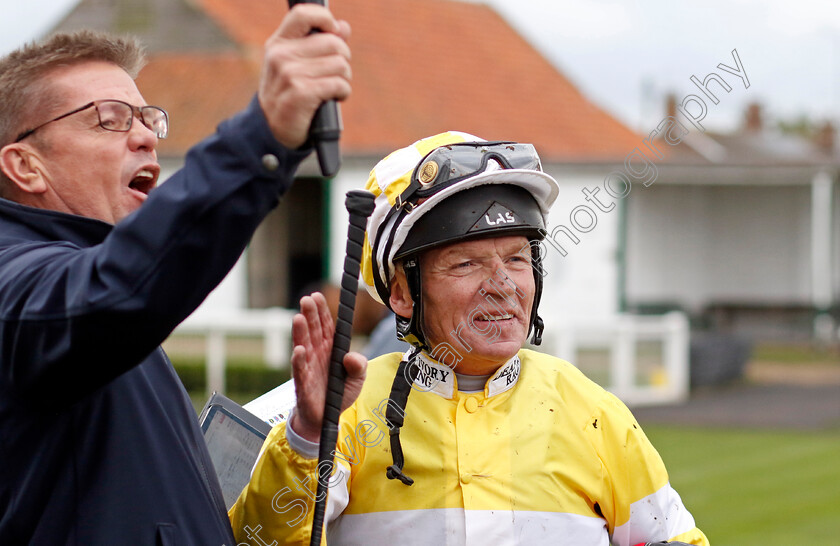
143 181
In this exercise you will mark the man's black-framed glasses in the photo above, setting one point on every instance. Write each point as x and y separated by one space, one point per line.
116 115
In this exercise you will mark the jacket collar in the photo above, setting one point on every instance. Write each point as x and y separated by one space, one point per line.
440 379
23 222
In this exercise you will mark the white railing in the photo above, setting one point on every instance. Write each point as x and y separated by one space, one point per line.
621 336
273 325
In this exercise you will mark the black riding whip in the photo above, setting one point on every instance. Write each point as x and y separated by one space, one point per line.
326 126
360 205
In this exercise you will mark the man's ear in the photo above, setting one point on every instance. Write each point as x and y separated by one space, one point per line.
400 300
24 167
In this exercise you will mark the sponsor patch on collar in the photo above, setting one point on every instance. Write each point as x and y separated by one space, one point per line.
434 377
505 378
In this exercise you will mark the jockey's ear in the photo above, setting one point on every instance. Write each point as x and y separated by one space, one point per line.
400 300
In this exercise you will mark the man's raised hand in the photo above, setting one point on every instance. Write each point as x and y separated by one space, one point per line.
302 69
312 335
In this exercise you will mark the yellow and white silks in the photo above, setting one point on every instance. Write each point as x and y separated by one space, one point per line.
542 456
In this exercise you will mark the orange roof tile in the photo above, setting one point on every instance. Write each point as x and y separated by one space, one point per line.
198 91
425 66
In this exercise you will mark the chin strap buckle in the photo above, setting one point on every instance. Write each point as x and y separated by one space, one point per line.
539 326
394 472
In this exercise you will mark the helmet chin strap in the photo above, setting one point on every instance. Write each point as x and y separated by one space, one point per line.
411 330
395 414
536 321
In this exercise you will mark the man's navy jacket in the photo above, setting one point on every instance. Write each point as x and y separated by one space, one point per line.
99 443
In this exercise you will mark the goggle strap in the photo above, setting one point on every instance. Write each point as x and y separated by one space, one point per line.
404 199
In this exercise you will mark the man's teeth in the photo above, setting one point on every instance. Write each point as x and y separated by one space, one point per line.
497 317
145 174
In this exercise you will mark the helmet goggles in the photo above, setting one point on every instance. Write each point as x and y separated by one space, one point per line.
451 163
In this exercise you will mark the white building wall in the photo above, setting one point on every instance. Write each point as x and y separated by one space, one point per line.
584 282
694 245
348 178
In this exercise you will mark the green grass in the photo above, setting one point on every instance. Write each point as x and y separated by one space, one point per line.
796 354
245 378
748 487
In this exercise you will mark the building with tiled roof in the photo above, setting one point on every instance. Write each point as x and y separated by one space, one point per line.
424 66
420 68
740 231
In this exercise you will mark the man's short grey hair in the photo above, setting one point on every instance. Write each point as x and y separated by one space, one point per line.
24 74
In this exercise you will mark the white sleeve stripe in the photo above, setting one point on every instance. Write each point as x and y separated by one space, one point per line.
339 494
459 527
657 517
